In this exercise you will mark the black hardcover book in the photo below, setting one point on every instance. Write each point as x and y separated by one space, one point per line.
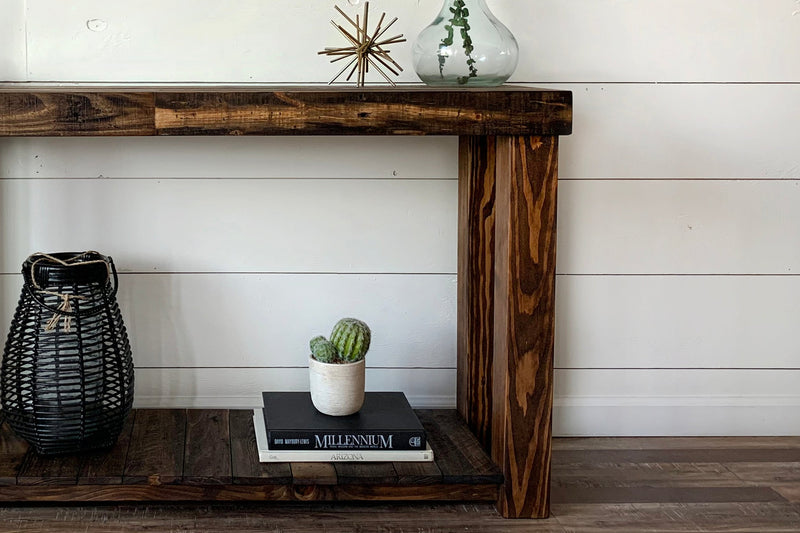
385 422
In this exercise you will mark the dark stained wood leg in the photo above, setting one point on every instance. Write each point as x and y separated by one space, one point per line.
524 321
506 308
476 197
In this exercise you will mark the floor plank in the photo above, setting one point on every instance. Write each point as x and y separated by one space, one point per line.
289 518
602 475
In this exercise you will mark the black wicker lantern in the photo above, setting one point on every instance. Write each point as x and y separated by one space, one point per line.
67 375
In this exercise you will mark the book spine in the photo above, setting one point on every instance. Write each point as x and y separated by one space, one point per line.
349 456
324 440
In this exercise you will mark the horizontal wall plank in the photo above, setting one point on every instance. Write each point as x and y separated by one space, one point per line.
12 41
676 402
232 388
677 321
230 157
236 225
657 40
575 40
267 320
682 131
606 226
679 227
602 321
687 387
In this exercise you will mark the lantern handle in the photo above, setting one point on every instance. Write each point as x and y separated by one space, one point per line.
32 287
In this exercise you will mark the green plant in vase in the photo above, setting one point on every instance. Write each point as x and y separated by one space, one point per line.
460 19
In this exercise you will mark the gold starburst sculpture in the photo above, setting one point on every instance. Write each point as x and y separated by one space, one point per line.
366 50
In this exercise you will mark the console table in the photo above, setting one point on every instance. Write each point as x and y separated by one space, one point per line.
508 169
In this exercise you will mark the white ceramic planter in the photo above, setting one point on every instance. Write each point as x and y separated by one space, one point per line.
336 389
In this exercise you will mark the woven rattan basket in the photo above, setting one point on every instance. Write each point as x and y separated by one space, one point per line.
67 374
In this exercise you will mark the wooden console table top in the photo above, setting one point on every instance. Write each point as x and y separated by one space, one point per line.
86 111
508 182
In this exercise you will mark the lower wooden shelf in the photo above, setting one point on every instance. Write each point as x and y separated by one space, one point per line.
208 455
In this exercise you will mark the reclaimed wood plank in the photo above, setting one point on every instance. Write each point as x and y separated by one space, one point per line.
246 468
418 473
12 454
157 445
207 455
313 474
48 470
106 467
142 493
524 321
365 473
76 113
475 334
452 425
448 447
310 111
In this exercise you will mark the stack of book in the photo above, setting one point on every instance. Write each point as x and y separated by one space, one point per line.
290 429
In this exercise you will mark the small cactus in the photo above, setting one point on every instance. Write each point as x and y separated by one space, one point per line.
323 350
351 338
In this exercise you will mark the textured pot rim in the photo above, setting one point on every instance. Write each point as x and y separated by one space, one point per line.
335 365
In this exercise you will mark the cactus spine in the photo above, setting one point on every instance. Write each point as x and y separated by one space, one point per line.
351 337
323 350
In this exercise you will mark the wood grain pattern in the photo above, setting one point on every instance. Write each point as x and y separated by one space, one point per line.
207 456
686 495
421 111
418 473
276 517
314 474
48 470
458 455
524 321
321 492
366 473
287 111
475 334
246 468
76 113
157 447
107 466
12 453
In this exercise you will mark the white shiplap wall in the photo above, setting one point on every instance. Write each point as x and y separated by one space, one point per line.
678 266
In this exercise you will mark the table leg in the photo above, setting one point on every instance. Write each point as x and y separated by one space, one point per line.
507 258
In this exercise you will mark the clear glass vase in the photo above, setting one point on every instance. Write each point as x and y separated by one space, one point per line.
465 46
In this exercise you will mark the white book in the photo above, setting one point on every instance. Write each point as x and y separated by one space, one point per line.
265 455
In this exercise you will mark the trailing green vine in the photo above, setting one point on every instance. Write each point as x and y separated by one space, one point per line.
460 19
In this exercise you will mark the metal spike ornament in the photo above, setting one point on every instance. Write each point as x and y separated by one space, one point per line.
367 50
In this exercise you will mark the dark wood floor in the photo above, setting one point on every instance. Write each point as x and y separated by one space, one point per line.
617 485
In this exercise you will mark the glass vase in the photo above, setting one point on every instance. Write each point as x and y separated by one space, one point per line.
465 46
